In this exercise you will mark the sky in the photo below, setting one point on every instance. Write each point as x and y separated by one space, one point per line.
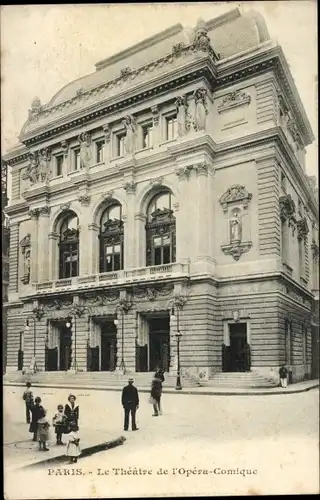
44 47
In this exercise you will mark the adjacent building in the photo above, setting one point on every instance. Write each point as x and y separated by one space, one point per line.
165 195
5 259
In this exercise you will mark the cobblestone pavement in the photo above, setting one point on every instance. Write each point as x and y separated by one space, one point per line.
273 440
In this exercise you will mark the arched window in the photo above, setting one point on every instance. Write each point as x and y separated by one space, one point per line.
111 239
69 247
161 230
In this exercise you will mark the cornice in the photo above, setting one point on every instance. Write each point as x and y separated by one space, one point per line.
16 209
173 78
266 137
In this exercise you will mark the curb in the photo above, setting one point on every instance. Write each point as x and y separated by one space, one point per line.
86 452
265 392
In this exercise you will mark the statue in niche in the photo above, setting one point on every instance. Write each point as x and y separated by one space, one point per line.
235 227
181 107
27 261
201 110
85 149
32 169
44 165
129 143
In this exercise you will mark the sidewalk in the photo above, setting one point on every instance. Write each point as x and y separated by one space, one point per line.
20 451
306 385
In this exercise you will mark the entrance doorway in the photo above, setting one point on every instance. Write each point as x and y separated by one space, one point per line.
159 343
238 361
108 347
65 348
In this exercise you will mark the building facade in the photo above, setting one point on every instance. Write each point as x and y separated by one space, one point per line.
166 193
5 259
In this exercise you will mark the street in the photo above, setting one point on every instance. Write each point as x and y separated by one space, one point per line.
202 445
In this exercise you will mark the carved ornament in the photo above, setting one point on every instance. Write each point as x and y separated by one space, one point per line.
287 207
152 293
234 99
183 173
57 304
45 210
38 313
84 200
101 299
65 148
236 248
34 213
125 72
155 115
315 249
25 242
201 40
130 187
178 49
156 182
235 194
65 207
124 305
107 132
303 229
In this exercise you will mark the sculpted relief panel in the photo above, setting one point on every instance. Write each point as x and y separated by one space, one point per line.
234 203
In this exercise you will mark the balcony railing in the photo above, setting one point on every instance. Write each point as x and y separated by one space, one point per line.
114 278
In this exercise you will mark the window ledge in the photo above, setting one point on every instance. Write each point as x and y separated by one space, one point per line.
97 164
170 141
56 177
116 158
150 148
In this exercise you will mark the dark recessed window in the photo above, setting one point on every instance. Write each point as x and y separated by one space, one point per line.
171 127
120 144
59 165
147 136
111 239
76 159
99 151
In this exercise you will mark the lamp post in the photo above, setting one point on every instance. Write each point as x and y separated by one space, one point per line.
37 314
178 337
123 306
75 313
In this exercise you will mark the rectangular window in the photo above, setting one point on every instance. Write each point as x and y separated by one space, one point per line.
283 182
171 127
147 131
112 258
59 165
99 151
120 144
76 159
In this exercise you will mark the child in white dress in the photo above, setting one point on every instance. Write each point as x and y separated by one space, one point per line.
73 448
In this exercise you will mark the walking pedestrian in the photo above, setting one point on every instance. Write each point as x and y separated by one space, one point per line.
159 374
73 447
59 423
156 392
28 399
36 412
130 403
283 374
43 430
71 410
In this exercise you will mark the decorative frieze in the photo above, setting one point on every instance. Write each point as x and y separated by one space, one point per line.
234 99
101 298
235 194
236 248
152 293
57 304
125 72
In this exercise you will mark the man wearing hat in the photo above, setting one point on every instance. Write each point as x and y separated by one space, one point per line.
130 403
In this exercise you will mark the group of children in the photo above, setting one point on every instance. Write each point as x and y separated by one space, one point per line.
65 421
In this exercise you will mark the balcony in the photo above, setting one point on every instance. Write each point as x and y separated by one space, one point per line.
152 273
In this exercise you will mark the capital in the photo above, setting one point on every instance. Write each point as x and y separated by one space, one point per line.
130 187
44 211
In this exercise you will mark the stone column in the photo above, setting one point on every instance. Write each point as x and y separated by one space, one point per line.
93 244
129 227
14 258
203 209
85 248
34 214
53 256
183 213
140 234
43 244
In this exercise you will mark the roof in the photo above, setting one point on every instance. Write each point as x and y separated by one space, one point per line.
230 34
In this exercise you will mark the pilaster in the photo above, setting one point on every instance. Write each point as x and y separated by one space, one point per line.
14 258
129 227
43 244
140 235
34 214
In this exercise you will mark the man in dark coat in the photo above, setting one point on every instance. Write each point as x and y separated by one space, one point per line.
130 403
156 391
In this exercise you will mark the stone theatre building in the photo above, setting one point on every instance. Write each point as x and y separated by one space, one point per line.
167 191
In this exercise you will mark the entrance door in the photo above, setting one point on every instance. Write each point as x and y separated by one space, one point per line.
65 348
159 342
108 347
238 344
